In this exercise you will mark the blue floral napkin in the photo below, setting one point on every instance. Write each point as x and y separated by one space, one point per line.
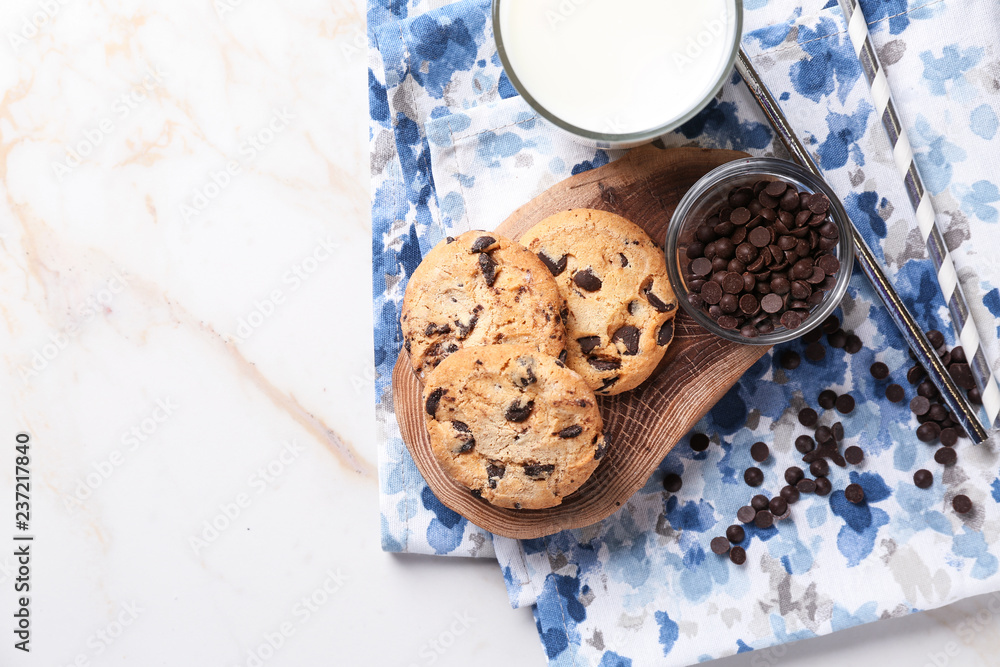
454 148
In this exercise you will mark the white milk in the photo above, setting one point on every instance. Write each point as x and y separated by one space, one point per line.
618 66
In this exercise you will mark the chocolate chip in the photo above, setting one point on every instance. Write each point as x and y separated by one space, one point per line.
489 268
790 360
554 267
628 336
746 514
808 417
759 502
778 506
482 243
793 474
712 292
879 370
433 329
699 442
845 404
759 452
518 413
538 471
975 396
837 339
776 188
923 479
830 324
895 393
937 412
701 266
854 455
771 303
962 504
607 382
920 405
764 519
854 493
657 303
915 374
928 432
589 343
815 352
823 486
561 359
604 365
838 431
433 399
753 476
623 259
824 435
571 431
827 399
494 472
735 534
790 494
806 486
819 468
587 280
949 437
672 482
738 555
665 334
804 444
720 545
946 456
450 239
935 337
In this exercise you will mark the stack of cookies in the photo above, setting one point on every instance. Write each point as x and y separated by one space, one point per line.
513 341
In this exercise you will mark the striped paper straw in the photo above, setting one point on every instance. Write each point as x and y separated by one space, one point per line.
965 327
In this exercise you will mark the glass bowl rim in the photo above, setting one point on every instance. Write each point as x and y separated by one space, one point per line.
764 166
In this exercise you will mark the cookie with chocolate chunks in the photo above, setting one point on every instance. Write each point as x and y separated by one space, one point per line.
614 280
479 289
512 425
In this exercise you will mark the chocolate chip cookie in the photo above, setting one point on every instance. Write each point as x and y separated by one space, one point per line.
480 289
614 279
514 426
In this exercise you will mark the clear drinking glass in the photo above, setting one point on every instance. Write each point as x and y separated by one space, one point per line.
706 197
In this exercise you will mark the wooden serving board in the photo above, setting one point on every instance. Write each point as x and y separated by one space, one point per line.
644 424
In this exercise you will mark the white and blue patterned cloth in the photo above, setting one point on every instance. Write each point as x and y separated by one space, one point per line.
455 148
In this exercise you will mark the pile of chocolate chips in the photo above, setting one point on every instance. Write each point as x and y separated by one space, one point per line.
764 260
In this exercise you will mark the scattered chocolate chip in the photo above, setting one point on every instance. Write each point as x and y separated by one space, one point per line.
720 545
554 267
587 279
935 337
827 399
433 399
830 324
946 456
853 344
845 404
793 475
738 555
746 514
672 482
928 432
823 486
949 437
920 405
837 339
915 374
854 493
815 352
806 486
808 417
699 442
753 476
790 494
804 444
628 336
735 534
895 393
923 479
489 268
819 468
879 370
778 506
854 455
759 452
838 431
790 360
518 413
962 504
764 519
759 502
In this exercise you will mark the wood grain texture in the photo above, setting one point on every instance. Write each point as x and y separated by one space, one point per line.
644 424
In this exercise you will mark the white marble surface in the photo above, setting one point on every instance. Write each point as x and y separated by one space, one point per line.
184 283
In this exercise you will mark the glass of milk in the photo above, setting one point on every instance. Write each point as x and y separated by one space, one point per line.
617 73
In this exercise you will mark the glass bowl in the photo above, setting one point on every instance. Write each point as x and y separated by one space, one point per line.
707 196
626 139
